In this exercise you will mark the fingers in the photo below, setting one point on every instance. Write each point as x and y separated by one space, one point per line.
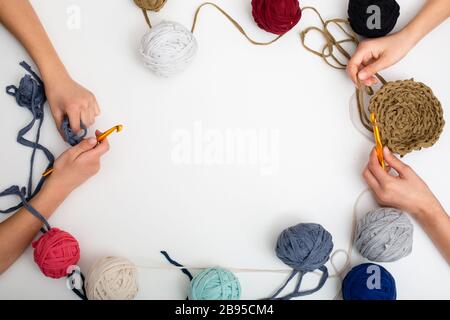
399 166
371 69
377 171
75 120
354 64
96 107
371 181
83 146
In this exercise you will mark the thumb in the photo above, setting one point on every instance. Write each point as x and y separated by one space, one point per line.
83 146
375 67
395 162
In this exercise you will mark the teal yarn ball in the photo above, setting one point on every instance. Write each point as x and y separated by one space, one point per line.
215 284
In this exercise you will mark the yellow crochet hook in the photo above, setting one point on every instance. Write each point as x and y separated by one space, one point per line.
100 138
378 143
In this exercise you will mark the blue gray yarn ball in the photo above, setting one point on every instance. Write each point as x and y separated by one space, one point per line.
384 235
215 284
304 247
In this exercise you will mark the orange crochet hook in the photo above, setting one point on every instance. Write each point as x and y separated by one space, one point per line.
100 138
378 143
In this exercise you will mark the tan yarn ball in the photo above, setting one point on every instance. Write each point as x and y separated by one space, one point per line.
112 278
152 5
410 117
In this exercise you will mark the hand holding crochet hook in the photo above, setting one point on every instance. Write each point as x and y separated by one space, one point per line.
406 191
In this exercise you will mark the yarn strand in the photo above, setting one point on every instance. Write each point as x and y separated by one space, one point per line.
173 262
233 21
328 51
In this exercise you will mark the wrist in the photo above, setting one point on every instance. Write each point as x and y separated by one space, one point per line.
428 210
53 73
56 189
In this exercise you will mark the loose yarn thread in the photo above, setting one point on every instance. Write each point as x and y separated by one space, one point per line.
112 278
276 16
361 11
211 283
361 283
410 117
304 247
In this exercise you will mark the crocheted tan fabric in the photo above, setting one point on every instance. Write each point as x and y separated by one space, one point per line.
410 117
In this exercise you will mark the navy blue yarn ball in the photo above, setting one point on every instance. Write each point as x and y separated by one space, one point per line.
304 247
361 283
360 11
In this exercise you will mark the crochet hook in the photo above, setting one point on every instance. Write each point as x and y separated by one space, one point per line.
378 143
100 138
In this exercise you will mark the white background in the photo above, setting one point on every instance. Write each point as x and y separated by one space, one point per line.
227 215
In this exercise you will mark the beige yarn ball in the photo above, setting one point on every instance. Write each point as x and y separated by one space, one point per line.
112 278
152 5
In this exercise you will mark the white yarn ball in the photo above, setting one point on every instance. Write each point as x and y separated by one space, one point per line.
112 278
168 48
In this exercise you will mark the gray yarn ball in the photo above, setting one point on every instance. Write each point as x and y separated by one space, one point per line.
384 235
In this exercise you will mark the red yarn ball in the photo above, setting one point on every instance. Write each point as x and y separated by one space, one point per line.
276 16
55 251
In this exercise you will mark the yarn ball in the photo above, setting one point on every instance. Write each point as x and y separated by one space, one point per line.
384 235
304 247
361 283
152 5
410 117
112 278
30 93
168 48
215 284
276 16
55 251
361 21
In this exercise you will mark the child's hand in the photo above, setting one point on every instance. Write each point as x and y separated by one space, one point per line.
374 55
407 191
67 98
77 164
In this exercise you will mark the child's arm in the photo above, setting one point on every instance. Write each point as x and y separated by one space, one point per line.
374 55
71 169
409 192
65 96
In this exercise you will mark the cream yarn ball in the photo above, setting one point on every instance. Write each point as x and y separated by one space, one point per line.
168 48
112 278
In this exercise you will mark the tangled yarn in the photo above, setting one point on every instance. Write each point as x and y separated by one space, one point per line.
360 13
384 235
410 117
168 48
152 5
276 16
55 251
369 281
112 278
215 284
304 247
71 137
